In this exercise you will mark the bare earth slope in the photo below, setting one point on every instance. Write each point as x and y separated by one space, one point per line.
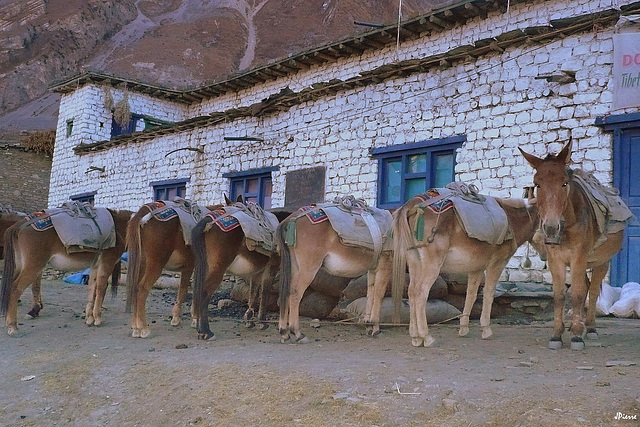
175 43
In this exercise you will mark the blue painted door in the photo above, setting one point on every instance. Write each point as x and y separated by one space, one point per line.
626 266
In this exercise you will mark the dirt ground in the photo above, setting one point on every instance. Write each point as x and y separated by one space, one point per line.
62 372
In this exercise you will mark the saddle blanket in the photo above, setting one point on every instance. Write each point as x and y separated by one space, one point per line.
359 225
258 225
612 214
189 213
80 227
480 215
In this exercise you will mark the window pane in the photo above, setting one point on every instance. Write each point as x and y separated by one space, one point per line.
252 186
237 189
417 163
393 182
443 169
416 186
267 189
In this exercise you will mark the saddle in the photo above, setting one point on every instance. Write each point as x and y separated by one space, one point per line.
80 226
480 215
189 213
612 215
354 221
258 225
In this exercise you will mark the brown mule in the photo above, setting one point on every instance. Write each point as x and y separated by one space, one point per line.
450 250
574 240
319 246
218 252
29 251
6 221
152 247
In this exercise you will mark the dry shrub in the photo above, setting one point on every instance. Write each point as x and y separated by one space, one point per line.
109 103
41 141
122 113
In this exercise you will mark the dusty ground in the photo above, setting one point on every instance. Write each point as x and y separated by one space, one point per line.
62 372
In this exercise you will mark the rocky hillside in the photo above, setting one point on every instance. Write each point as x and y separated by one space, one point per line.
174 43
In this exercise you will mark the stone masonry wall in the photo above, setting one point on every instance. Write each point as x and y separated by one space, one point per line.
495 101
24 178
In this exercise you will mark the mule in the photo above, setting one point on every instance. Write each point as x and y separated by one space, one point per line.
319 246
572 239
219 252
7 219
449 249
29 251
152 247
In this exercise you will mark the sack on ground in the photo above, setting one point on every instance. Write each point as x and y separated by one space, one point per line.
437 310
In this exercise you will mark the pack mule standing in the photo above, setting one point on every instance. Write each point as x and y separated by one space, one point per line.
449 249
317 245
155 244
572 239
28 251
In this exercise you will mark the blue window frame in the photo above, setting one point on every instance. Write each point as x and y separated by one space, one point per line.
253 185
409 169
84 197
167 190
117 129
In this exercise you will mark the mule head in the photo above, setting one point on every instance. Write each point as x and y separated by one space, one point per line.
552 185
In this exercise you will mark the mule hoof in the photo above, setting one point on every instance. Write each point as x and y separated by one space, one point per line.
592 335
374 332
97 321
89 320
263 326
302 339
12 331
207 336
429 340
416 342
486 333
577 344
250 324
33 313
144 333
175 321
464 330
135 333
555 344
194 323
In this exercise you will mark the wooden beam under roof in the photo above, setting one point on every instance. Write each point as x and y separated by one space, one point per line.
440 22
475 9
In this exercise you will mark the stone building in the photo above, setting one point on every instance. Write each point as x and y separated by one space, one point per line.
392 112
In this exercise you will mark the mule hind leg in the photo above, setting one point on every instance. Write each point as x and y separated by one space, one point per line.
36 291
424 267
139 326
26 277
183 289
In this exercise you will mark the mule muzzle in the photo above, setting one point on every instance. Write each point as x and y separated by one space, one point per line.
553 232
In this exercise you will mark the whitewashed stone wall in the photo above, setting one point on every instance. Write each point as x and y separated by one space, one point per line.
496 102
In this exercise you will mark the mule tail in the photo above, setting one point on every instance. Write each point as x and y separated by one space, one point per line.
135 260
285 265
201 267
9 271
402 240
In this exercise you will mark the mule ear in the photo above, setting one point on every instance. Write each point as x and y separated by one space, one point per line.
533 160
227 201
239 199
565 154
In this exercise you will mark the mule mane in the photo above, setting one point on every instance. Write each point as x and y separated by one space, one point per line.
514 203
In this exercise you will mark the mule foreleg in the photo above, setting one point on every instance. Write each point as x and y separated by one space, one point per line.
473 284
488 294
91 296
578 296
266 282
558 277
377 284
183 289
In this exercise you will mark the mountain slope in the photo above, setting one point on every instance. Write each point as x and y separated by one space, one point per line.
174 43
